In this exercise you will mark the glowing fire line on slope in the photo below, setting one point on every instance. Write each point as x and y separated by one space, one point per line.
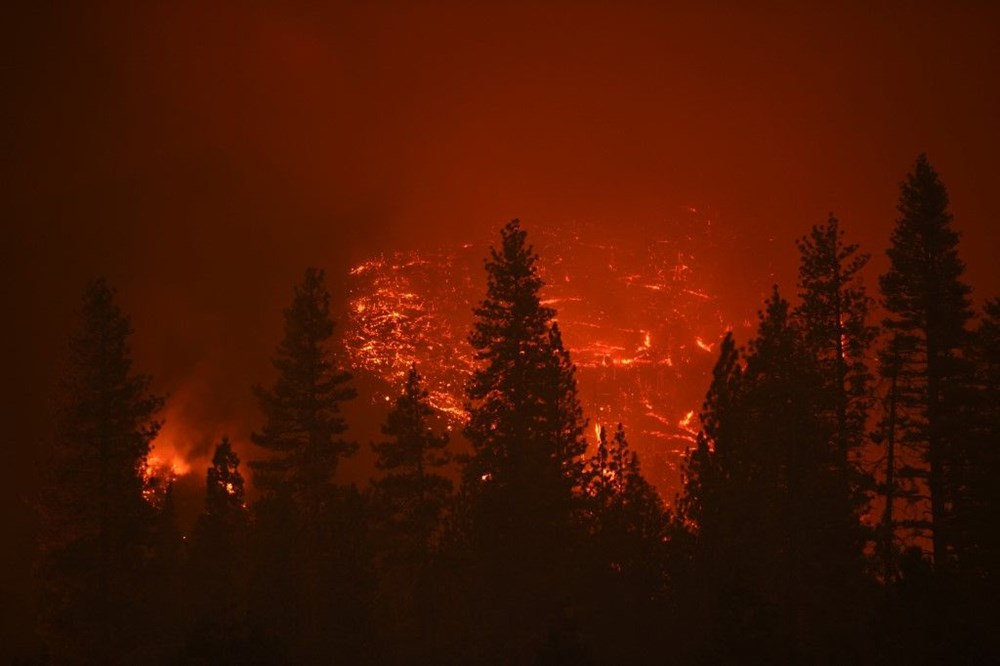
641 332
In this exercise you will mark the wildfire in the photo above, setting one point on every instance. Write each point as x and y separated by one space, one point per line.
686 423
628 312
184 444
174 465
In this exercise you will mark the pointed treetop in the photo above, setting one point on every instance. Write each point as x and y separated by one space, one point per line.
924 282
224 485
303 420
413 445
923 193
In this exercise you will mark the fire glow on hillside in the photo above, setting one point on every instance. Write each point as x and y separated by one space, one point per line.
639 318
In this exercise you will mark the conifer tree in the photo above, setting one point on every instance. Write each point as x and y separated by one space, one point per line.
833 314
409 504
627 514
892 422
95 521
310 558
303 423
929 308
220 533
772 525
165 577
219 563
525 421
411 494
522 481
225 494
703 498
979 494
627 525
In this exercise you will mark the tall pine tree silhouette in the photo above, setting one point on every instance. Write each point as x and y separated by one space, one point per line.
96 527
627 524
218 564
303 424
627 516
412 495
523 478
309 568
525 421
220 535
774 553
979 493
928 311
409 503
833 314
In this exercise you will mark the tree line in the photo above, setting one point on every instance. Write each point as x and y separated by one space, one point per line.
839 504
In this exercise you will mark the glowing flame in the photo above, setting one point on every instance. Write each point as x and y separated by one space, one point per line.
171 466
685 423
628 314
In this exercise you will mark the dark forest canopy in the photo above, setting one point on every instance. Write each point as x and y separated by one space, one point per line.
839 504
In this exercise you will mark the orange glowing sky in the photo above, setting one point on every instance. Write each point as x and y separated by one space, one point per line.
200 155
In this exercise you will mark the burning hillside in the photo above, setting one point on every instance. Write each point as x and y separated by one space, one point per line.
640 318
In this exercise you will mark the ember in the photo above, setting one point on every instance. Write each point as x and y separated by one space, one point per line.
637 317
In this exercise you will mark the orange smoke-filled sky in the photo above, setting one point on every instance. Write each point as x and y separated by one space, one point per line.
200 155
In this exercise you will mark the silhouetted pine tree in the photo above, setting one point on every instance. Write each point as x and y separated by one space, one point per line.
966 608
95 523
225 494
166 576
523 477
409 502
892 422
929 308
775 563
412 496
219 572
833 315
977 501
525 421
627 530
626 514
303 422
981 501
309 586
